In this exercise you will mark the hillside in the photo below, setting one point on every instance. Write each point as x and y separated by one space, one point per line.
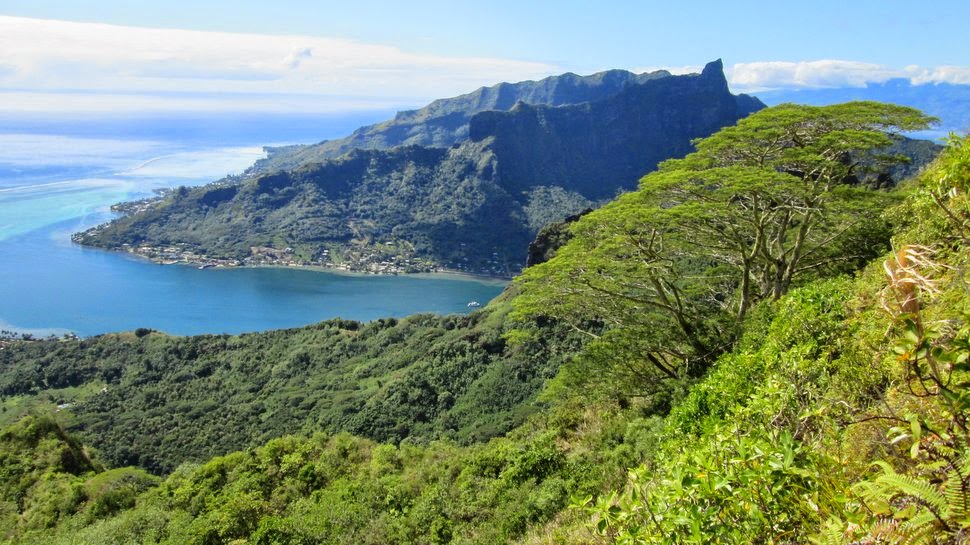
444 122
473 207
423 377
823 404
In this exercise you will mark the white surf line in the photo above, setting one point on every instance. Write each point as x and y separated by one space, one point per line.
146 163
24 188
234 150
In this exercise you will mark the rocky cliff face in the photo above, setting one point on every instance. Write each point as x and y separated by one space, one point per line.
550 238
444 122
474 206
598 147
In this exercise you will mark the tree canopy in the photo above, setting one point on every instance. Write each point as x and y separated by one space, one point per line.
674 267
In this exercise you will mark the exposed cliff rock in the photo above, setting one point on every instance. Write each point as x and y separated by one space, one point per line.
599 147
444 122
552 237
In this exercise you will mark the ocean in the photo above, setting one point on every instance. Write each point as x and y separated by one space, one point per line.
60 176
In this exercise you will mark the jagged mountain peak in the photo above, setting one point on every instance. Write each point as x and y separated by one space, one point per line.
444 122
713 68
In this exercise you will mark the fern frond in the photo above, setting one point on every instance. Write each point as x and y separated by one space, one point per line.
919 524
922 491
956 491
833 533
924 533
964 464
883 527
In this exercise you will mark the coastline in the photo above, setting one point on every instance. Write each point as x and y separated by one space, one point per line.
437 273
314 298
205 263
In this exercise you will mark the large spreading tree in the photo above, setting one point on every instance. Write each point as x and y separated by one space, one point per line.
663 276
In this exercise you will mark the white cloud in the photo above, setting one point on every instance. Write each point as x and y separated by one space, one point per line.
46 56
296 56
939 74
761 76
810 74
27 102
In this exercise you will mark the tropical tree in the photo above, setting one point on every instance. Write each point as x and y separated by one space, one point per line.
662 277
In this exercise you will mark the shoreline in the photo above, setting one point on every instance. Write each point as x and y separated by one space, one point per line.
62 333
205 263
439 273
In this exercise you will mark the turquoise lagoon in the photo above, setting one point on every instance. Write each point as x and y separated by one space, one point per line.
57 178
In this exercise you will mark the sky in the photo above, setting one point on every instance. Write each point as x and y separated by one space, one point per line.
322 56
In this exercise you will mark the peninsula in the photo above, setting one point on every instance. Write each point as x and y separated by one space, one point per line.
512 159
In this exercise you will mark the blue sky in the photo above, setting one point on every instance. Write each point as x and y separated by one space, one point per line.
361 54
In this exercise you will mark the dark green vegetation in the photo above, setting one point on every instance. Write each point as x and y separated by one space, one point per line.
753 408
157 401
759 208
474 206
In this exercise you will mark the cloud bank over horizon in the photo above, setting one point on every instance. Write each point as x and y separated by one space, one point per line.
751 77
51 66
821 74
48 65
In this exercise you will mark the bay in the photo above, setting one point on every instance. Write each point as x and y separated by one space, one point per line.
58 179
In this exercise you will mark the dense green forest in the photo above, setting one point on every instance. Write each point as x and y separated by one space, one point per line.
156 401
777 351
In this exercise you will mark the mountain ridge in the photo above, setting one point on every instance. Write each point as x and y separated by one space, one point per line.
444 122
472 207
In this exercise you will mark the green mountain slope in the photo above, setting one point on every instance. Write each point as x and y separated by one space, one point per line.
841 418
157 401
473 207
772 440
46 476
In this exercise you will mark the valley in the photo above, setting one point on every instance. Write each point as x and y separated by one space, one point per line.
518 273
516 423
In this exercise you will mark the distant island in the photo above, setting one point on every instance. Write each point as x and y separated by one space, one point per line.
462 185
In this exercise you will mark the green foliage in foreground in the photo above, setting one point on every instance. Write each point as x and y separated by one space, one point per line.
777 444
739 462
662 278
343 489
46 476
155 401
839 415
